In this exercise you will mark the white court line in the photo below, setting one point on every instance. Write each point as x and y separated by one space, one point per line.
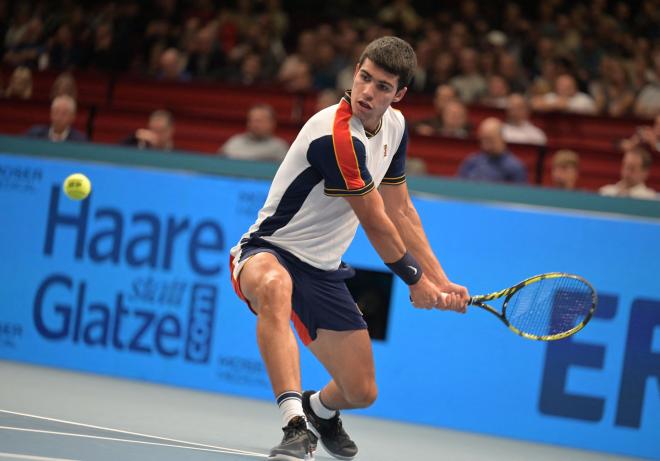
34 458
138 434
140 442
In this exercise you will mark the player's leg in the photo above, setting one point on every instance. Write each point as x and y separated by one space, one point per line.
348 357
267 286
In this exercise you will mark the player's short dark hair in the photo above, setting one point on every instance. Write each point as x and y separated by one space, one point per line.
394 55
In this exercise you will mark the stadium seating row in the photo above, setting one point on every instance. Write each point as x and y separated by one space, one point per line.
207 114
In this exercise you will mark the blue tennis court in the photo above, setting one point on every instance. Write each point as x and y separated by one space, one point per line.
54 415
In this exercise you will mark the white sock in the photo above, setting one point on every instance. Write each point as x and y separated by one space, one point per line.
319 409
290 403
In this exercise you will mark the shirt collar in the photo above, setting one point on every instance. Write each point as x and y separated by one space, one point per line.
63 136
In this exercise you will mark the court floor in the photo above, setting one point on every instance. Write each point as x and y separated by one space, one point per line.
49 415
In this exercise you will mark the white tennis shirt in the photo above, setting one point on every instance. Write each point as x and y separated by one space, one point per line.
331 157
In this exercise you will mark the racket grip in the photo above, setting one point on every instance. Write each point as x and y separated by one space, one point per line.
444 296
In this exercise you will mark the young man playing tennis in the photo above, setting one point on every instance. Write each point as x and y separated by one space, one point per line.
288 265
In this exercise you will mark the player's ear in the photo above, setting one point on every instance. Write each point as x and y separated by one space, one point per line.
400 94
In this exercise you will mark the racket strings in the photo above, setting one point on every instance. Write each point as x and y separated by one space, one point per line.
550 306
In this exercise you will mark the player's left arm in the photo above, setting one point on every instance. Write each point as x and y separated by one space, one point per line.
403 214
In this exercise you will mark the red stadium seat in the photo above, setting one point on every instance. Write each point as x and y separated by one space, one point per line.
92 87
203 99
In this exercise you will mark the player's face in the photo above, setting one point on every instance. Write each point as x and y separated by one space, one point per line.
374 89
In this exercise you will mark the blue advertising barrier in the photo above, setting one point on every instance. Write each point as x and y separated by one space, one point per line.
133 282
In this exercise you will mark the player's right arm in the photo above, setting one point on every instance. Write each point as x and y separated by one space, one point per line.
383 235
340 158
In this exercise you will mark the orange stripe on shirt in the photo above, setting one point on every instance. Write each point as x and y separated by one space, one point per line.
342 140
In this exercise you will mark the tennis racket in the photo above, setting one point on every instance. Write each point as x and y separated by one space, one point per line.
545 307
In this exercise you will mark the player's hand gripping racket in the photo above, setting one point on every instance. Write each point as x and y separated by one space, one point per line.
544 307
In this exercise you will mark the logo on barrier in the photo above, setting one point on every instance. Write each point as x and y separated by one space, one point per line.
641 363
155 314
20 178
63 311
10 334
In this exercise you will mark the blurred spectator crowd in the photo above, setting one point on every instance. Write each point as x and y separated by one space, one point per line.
593 57
590 56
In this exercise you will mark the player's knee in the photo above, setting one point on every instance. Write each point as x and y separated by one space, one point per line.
362 395
274 295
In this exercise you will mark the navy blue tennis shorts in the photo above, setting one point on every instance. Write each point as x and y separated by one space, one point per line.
320 298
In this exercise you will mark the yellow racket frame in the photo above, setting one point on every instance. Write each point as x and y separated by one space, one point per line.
480 301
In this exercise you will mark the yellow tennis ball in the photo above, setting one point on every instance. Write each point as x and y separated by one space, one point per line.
77 186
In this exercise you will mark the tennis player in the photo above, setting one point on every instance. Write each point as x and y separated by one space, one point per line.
347 166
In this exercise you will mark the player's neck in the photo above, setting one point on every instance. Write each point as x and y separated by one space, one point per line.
371 129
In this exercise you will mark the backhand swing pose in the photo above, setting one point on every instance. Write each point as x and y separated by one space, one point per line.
288 265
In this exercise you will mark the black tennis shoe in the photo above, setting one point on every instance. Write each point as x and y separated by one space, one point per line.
298 443
333 437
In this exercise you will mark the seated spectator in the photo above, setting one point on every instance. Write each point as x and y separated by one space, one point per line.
543 82
650 136
415 166
509 68
613 93
565 98
29 48
250 71
635 169
20 84
565 169
102 53
647 104
518 128
64 52
443 67
326 98
65 83
497 93
326 66
432 125
469 83
159 133
258 142
494 162
295 74
345 75
645 136
171 66
455 121
206 59
62 116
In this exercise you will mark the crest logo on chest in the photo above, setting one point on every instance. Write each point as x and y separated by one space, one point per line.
385 150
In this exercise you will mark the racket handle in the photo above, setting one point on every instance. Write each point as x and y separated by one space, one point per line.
444 297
